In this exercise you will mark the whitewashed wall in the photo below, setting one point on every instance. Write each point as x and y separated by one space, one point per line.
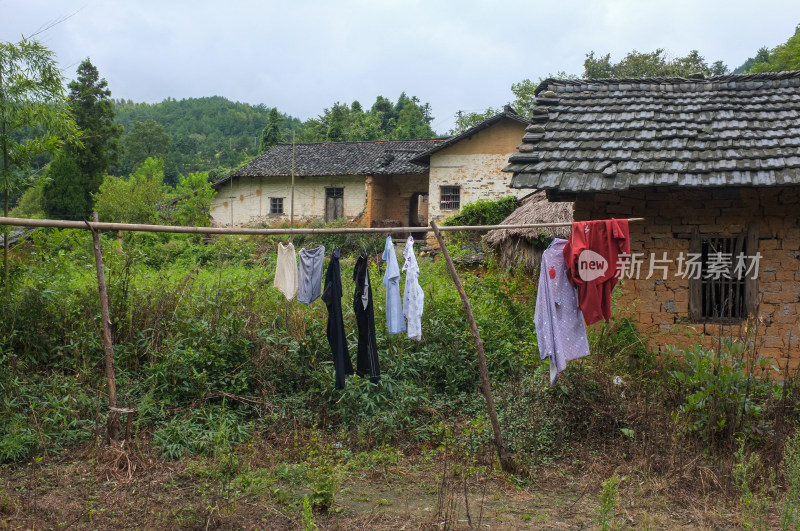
250 199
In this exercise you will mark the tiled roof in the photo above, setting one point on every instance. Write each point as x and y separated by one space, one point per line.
615 134
507 114
389 157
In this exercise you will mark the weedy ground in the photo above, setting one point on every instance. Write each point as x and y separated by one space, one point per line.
237 424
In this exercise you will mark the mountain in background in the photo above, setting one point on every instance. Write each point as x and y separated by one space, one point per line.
210 134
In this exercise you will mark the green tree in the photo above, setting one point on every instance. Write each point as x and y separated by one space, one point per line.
34 116
146 140
762 56
338 122
272 133
65 193
68 195
195 197
783 57
649 64
137 199
412 121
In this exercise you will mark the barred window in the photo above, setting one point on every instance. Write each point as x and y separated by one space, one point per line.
723 288
276 205
334 192
726 290
450 197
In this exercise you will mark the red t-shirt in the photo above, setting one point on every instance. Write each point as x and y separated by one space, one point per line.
591 254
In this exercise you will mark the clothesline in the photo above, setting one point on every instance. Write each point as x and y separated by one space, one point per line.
137 227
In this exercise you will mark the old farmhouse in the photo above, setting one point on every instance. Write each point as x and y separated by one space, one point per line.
713 167
380 183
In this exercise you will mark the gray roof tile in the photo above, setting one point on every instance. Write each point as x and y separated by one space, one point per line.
389 157
738 129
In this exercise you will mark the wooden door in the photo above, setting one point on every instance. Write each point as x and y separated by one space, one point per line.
334 204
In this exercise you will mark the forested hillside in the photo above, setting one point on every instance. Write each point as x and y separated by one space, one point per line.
210 134
216 135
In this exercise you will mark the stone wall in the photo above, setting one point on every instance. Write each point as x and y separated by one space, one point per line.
475 165
250 199
661 307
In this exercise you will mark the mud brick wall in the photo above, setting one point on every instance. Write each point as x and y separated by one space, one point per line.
389 197
660 307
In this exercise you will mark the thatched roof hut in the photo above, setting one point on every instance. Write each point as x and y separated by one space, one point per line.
523 247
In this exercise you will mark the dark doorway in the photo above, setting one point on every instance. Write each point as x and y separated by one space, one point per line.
334 204
418 213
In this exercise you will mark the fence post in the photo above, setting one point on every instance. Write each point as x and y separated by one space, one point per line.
486 385
112 428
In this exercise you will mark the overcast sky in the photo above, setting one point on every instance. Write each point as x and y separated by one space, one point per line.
303 56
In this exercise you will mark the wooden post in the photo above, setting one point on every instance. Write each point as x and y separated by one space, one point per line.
486 385
112 428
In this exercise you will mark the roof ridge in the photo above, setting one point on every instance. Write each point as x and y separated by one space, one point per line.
660 80
341 142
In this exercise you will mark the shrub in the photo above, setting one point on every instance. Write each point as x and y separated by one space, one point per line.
723 395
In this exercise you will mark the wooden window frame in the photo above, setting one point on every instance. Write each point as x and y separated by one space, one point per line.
446 193
272 203
748 243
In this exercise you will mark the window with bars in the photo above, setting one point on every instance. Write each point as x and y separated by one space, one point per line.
276 205
723 288
450 197
334 192
726 289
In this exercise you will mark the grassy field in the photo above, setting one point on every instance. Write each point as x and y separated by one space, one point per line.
238 424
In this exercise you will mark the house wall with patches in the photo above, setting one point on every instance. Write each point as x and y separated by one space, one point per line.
474 164
660 306
247 200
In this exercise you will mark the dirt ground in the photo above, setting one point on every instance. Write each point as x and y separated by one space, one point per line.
97 487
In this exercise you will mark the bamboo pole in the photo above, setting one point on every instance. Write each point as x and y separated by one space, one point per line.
486 385
137 227
112 428
291 204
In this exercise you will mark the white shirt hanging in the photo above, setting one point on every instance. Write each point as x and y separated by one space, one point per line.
286 270
413 296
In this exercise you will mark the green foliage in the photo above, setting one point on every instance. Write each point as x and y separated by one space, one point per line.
78 173
133 200
307 513
31 203
723 395
790 519
649 64
783 57
209 134
762 56
481 212
755 501
407 119
524 91
472 118
604 513
484 212
64 195
210 431
271 134
31 99
146 140
195 196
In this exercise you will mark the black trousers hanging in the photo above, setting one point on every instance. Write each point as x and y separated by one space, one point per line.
332 297
367 358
